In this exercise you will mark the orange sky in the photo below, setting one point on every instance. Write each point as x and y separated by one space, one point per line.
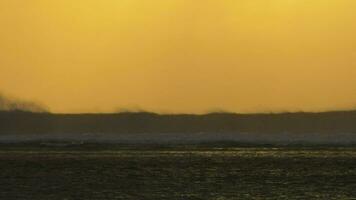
180 55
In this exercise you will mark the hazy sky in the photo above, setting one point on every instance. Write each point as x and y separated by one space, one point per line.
180 55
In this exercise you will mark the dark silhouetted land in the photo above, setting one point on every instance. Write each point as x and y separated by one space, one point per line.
327 127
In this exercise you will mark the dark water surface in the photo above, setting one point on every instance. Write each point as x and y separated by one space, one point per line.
209 173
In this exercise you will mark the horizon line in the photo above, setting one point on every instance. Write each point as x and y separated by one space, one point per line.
183 113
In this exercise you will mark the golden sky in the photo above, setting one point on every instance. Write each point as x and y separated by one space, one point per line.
180 55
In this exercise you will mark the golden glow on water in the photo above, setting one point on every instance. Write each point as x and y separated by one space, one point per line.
180 55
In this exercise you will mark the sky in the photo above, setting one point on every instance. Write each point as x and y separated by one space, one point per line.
180 56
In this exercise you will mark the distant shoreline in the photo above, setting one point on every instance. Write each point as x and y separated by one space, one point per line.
336 127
